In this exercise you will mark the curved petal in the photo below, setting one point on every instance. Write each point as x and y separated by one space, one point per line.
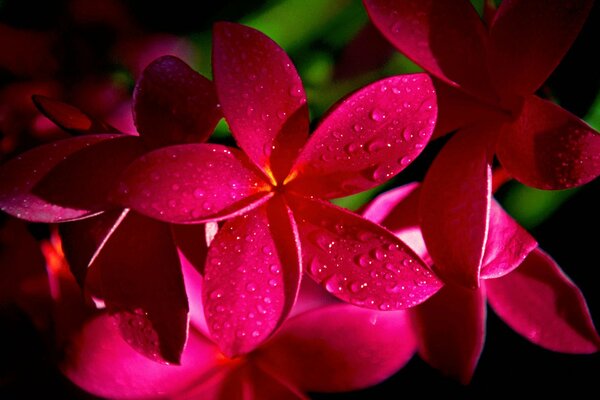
549 148
143 285
263 102
102 363
529 38
507 244
315 351
252 277
173 104
19 176
191 242
359 261
455 203
395 209
539 302
446 38
191 183
451 330
367 138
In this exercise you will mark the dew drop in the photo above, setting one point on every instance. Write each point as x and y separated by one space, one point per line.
172 203
175 187
251 287
363 261
358 128
198 193
333 285
267 300
255 334
376 145
215 294
267 251
273 282
405 160
295 91
377 115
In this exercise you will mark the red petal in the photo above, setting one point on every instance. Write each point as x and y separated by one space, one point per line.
191 241
252 277
549 148
142 283
539 301
446 38
507 244
27 52
455 203
263 102
396 209
368 138
101 362
192 183
358 261
529 38
339 348
174 104
19 176
70 118
451 330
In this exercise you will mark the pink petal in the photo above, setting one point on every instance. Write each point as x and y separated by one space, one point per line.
263 102
339 348
455 203
367 138
507 244
19 176
446 38
451 330
357 260
529 38
101 362
539 301
191 242
264 384
396 209
252 277
174 104
70 118
142 284
192 183
548 147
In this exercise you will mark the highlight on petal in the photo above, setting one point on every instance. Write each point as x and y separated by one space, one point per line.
549 148
368 138
446 38
19 176
451 330
143 286
539 302
455 203
102 363
339 348
507 244
263 102
192 183
173 104
252 277
359 261
529 38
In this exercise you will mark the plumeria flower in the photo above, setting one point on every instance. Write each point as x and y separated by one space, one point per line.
127 260
273 191
536 298
486 79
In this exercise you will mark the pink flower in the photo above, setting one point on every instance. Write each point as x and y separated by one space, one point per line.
536 298
487 79
271 193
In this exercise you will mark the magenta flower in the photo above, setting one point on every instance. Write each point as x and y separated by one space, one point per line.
125 259
536 299
271 193
487 77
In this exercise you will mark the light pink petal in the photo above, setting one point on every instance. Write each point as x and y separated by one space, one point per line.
339 348
446 38
539 301
507 245
263 102
192 183
252 277
70 118
174 104
102 363
455 203
529 38
368 138
451 330
359 261
549 148
143 286
19 176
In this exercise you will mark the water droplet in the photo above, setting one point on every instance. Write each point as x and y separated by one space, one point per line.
382 173
354 287
251 287
267 300
281 114
358 128
255 334
333 285
155 176
376 145
379 254
252 77
172 203
267 250
206 206
198 193
363 261
261 309
249 110
384 306
377 115
295 91
216 294
405 160
390 267
273 282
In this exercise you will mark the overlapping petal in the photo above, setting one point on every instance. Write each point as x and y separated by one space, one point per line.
368 138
